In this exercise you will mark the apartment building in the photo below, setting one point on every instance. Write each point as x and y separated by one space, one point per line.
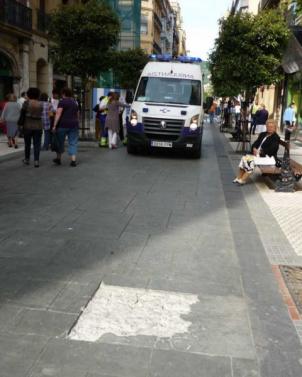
292 62
161 27
129 13
153 23
24 46
270 95
180 34
251 6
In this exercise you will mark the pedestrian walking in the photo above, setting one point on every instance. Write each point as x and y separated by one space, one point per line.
67 124
22 99
254 110
212 111
46 115
31 113
237 110
112 122
261 119
2 123
97 111
10 115
102 116
289 120
126 114
54 99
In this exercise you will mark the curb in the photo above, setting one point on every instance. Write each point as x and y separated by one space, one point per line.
11 156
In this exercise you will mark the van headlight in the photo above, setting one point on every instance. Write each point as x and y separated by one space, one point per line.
194 122
133 118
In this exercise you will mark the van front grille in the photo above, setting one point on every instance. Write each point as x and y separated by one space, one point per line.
156 129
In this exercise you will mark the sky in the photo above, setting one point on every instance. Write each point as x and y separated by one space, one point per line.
201 23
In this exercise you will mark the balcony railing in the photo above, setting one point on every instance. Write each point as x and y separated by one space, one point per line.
156 48
42 21
269 3
158 20
16 14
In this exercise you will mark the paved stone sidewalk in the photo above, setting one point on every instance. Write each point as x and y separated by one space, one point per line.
285 208
6 152
279 232
166 231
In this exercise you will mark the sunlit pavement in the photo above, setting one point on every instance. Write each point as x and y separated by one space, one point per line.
8 153
140 266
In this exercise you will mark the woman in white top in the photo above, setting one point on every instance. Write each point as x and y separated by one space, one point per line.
10 115
267 144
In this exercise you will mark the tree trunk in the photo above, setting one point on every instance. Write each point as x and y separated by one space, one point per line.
83 110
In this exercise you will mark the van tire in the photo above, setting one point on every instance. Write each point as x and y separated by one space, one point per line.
197 153
131 149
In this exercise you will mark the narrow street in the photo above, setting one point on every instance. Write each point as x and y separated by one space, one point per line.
140 266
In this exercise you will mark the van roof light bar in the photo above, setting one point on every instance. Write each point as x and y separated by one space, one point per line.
170 58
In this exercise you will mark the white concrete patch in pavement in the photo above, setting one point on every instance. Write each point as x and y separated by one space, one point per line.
124 311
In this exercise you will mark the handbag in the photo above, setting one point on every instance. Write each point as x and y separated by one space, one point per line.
265 160
3 126
22 117
21 120
55 144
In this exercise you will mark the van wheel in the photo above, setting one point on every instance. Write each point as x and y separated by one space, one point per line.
197 153
131 149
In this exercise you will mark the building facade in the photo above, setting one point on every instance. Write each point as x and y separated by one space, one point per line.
289 90
251 6
154 25
269 95
129 13
180 37
24 46
161 27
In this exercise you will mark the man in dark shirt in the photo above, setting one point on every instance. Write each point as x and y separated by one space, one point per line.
261 118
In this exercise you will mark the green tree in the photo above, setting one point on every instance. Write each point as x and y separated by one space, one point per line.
248 52
127 66
82 35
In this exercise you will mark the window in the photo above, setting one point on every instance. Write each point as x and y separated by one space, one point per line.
169 90
144 24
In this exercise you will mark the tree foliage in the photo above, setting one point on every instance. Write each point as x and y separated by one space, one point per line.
248 52
82 34
127 66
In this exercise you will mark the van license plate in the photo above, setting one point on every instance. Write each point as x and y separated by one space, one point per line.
161 144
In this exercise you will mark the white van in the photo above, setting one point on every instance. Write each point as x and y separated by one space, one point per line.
167 111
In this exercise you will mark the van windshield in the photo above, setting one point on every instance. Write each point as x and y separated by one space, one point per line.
169 90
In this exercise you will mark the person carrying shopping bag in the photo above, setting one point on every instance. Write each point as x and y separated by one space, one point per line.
31 124
66 123
112 122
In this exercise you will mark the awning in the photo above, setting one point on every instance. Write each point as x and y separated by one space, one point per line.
292 59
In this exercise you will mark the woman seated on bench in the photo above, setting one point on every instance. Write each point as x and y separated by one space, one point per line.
267 144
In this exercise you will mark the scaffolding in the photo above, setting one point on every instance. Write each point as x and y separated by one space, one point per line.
129 12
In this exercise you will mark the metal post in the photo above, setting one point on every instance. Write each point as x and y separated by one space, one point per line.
286 183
